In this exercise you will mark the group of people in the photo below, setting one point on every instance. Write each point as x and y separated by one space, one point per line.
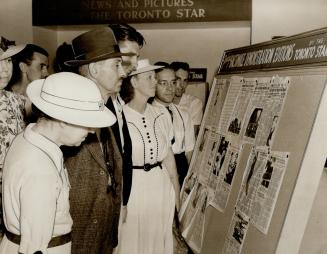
93 156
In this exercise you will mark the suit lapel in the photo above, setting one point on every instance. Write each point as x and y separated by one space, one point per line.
115 127
93 145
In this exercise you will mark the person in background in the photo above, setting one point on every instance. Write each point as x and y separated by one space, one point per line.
12 107
184 139
129 41
95 169
64 53
186 101
30 64
155 188
35 181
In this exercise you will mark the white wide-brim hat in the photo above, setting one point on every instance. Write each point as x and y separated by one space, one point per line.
70 98
11 51
144 65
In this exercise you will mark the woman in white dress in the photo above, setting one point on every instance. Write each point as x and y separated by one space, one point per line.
147 228
35 181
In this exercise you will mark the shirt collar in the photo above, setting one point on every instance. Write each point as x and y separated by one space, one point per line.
46 145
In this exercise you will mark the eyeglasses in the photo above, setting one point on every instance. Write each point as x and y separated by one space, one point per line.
165 83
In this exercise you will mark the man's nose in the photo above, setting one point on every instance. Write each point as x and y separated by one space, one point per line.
121 72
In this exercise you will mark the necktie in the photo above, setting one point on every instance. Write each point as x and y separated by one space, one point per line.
172 120
126 155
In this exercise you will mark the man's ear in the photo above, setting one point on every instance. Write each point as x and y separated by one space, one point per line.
94 69
23 67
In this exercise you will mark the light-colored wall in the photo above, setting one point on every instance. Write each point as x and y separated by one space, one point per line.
286 17
201 45
16 20
314 239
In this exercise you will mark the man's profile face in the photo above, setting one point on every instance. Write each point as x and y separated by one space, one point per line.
165 89
109 75
38 69
182 81
129 62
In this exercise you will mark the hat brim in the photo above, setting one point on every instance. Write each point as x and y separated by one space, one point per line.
11 51
85 118
76 62
146 69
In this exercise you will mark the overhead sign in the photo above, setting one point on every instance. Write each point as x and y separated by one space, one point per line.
75 12
301 49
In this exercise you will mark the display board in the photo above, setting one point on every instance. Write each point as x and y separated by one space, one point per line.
260 153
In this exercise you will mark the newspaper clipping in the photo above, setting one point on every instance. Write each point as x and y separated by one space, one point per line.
236 234
229 104
225 182
236 120
273 107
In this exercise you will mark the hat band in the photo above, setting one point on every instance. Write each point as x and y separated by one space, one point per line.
71 103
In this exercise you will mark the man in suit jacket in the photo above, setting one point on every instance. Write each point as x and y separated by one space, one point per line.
95 169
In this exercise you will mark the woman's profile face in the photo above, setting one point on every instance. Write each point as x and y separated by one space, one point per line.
146 83
6 68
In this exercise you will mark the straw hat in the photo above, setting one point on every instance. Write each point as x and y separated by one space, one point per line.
8 48
95 45
144 65
70 98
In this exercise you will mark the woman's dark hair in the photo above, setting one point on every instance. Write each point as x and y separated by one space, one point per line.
127 90
125 32
24 56
64 53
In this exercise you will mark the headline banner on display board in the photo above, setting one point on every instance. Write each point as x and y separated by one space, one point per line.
301 49
77 12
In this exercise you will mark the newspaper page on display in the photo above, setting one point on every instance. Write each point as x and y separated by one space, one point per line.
229 104
225 182
255 111
268 189
236 234
215 107
273 106
251 180
195 230
236 121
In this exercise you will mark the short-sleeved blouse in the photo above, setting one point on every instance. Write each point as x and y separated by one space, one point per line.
11 120
151 134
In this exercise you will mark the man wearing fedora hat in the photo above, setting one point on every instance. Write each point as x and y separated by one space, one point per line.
35 182
95 170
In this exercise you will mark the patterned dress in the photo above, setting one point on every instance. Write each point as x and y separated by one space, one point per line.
11 120
11 123
148 227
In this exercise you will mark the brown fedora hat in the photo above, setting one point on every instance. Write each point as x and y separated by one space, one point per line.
95 45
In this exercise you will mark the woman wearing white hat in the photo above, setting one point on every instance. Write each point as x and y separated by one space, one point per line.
35 182
147 228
